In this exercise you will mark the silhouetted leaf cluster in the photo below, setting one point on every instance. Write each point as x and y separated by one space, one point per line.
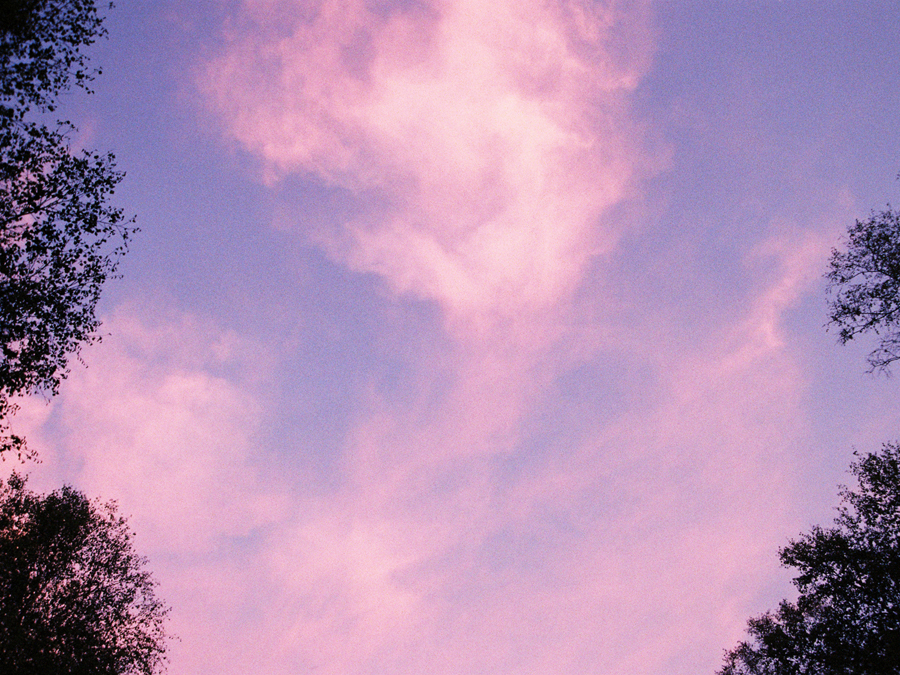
59 238
846 620
40 50
864 281
74 597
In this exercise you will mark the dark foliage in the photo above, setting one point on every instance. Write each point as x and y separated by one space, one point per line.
846 620
59 238
40 50
74 597
864 282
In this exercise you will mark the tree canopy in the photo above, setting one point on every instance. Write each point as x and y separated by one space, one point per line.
846 620
74 596
60 239
40 50
864 282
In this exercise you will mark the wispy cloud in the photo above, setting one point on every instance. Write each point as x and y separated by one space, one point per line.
490 141
531 417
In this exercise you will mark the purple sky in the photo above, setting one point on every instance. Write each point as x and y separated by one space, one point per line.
468 337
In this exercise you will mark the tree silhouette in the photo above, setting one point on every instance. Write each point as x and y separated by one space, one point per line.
59 237
846 620
864 282
74 597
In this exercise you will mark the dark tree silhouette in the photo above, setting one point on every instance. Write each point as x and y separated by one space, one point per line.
40 50
864 282
74 597
846 620
59 237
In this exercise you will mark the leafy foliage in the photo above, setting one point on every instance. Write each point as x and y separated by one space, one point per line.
59 238
865 283
40 50
846 620
74 597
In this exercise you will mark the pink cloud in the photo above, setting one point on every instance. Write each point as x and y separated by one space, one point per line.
629 550
496 133
492 138
672 510
495 137
159 423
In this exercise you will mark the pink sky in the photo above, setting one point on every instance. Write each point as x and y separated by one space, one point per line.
475 337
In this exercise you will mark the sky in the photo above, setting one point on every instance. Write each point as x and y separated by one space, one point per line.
467 337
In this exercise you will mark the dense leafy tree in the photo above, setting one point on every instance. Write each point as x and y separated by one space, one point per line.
846 620
59 237
74 597
864 282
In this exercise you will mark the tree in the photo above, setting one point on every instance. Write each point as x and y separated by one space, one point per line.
74 597
59 238
40 50
865 284
846 620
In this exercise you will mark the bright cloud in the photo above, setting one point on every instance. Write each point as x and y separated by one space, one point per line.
580 453
494 134
161 423
491 139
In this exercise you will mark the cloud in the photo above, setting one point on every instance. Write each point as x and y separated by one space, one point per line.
454 543
450 544
491 137
168 419
163 421
479 525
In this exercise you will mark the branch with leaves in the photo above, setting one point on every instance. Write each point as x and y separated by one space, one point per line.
864 285
60 239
